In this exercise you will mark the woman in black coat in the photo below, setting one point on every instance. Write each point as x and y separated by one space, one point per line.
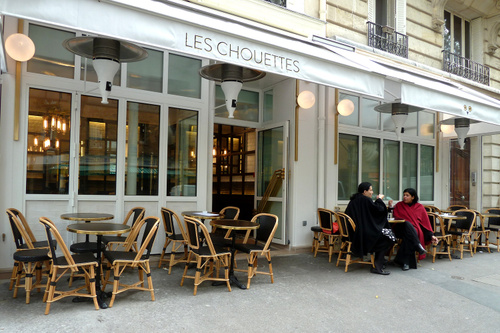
370 217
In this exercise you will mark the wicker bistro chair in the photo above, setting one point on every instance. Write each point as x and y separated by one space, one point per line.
453 208
112 241
171 221
204 255
28 260
347 227
441 233
462 231
479 231
268 224
494 226
432 209
120 260
328 235
224 238
23 238
67 263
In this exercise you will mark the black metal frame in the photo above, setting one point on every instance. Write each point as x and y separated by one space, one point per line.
386 39
461 66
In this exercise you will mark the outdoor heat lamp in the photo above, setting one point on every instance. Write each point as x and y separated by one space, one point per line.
106 55
462 126
399 114
231 78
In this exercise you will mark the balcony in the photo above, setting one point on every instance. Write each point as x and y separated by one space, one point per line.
281 3
386 39
466 68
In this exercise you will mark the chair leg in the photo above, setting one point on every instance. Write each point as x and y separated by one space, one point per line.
18 278
150 280
92 287
116 282
186 268
197 275
268 256
13 277
226 262
51 287
28 280
167 241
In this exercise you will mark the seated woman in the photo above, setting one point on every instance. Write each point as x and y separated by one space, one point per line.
370 217
415 232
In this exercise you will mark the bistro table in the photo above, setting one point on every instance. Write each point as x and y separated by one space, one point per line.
233 225
99 229
87 218
203 215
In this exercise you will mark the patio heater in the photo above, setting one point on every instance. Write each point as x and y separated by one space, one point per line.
231 78
462 126
106 55
399 114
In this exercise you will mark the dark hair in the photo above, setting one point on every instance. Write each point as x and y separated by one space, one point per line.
364 186
413 193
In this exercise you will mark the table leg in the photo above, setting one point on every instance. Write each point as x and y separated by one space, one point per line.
232 278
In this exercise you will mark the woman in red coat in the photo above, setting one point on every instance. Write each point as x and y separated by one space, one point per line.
415 232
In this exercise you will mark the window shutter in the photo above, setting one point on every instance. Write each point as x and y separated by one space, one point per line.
401 16
477 46
371 10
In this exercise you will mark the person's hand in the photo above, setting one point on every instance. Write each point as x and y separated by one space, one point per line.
380 196
434 240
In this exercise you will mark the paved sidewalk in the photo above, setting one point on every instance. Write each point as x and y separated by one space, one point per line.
309 295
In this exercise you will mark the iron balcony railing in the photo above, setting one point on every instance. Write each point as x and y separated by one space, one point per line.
386 39
461 66
281 3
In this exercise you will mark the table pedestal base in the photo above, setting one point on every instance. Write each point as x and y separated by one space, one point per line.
233 280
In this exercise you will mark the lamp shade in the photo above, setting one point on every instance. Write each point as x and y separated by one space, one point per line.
345 107
306 99
399 113
462 126
20 47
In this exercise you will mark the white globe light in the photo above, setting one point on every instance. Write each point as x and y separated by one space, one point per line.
306 99
447 128
20 47
345 107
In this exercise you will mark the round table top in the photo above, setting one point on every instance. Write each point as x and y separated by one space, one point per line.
87 216
234 224
490 215
395 221
203 214
452 217
98 228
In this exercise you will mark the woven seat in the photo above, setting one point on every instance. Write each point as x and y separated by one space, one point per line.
316 229
84 247
30 262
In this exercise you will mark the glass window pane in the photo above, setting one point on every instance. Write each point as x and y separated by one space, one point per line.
348 166
353 118
143 146
447 31
387 123
369 116
270 159
268 105
182 152
426 173
146 74
410 160
391 169
247 107
457 35
48 142
370 162
426 122
98 134
183 77
51 58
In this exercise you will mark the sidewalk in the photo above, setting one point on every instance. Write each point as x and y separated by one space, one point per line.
309 295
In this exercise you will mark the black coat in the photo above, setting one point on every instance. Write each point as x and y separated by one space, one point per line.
369 217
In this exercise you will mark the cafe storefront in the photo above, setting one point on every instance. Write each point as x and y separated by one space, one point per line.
65 151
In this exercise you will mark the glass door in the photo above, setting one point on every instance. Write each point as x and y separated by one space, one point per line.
271 182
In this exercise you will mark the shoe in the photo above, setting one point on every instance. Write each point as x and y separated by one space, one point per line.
421 249
406 267
381 272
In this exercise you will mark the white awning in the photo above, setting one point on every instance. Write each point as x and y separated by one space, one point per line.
216 36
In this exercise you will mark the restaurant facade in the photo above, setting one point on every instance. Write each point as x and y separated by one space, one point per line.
289 148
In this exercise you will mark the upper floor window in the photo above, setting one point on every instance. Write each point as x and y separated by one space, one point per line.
385 13
457 50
